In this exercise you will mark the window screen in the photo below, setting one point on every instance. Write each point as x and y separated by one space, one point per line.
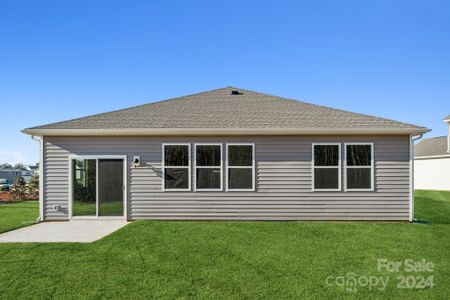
326 167
176 162
240 168
359 166
208 167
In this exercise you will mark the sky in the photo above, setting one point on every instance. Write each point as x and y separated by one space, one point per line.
67 59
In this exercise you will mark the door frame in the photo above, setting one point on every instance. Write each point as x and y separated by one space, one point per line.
125 183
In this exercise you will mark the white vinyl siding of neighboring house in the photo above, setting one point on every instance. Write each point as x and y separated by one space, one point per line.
432 163
432 174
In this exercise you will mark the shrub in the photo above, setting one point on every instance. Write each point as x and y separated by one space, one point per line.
22 191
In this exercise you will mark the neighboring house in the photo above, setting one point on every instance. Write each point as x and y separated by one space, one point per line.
432 162
228 154
10 174
26 175
34 170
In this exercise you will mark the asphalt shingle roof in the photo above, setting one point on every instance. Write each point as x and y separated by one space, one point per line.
220 109
431 147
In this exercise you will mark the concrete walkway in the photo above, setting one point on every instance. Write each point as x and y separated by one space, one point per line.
75 231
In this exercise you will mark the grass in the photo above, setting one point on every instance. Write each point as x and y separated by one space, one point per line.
16 215
433 206
113 208
84 208
234 260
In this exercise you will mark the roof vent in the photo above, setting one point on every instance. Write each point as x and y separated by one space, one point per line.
236 92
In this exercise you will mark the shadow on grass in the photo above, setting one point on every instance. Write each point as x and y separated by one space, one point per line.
422 222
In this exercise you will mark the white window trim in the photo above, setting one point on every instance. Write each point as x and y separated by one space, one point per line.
208 167
227 167
339 167
372 167
163 167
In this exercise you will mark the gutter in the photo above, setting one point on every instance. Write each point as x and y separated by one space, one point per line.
40 139
219 131
432 157
447 121
411 175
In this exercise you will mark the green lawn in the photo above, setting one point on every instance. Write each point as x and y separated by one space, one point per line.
234 260
113 208
15 215
83 208
433 206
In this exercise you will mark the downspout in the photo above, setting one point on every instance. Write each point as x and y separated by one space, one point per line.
448 135
40 139
411 175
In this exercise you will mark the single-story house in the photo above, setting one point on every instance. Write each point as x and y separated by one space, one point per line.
432 162
227 154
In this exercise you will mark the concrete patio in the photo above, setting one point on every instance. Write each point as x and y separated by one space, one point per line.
74 231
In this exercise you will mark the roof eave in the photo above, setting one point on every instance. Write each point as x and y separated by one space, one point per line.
218 131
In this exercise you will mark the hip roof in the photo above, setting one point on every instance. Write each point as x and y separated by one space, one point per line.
227 110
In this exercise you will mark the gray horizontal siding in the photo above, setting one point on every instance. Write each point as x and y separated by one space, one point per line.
283 181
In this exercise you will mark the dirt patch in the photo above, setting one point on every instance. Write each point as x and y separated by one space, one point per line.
5 196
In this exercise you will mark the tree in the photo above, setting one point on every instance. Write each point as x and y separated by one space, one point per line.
19 192
33 187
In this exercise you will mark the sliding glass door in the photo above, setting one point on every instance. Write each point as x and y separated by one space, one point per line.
110 187
97 187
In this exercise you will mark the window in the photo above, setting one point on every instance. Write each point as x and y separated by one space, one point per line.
326 164
240 167
208 167
359 167
176 166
